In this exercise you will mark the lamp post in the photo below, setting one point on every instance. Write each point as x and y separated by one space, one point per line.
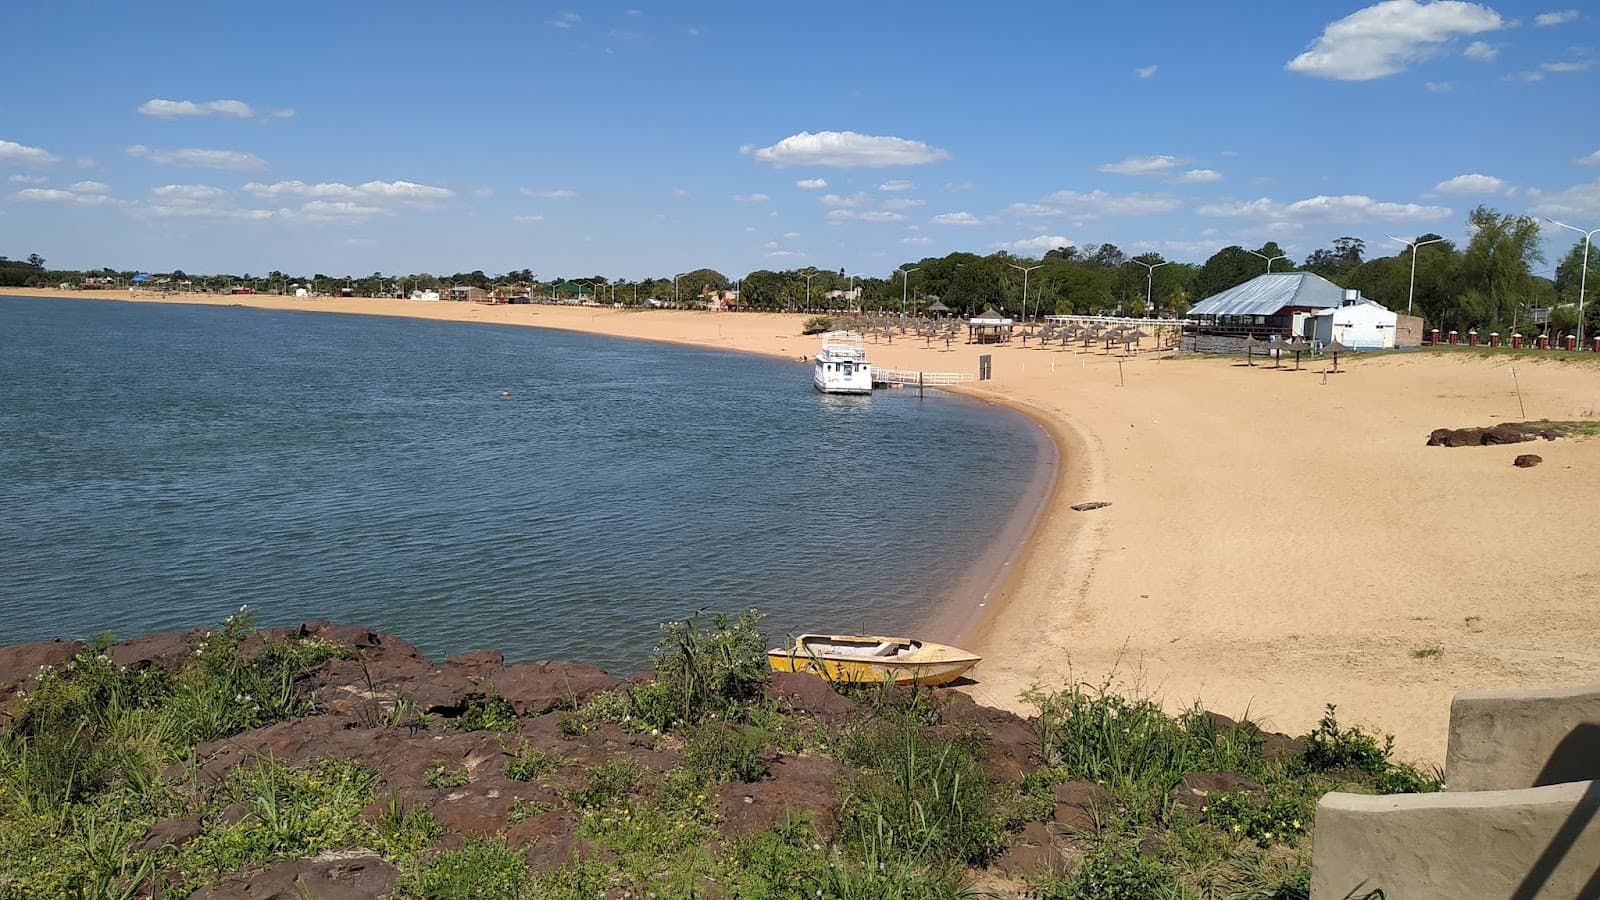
675 287
905 279
850 293
1411 291
808 289
1270 259
1150 281
1025 272
1583 279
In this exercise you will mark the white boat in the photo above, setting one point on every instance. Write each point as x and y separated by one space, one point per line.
842 366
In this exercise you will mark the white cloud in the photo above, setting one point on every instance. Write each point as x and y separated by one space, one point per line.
1439 87
1580 65
1389 37
527 219
960 186
176 109
1481 51
1032 211
55 195
1555 18
484 192
338 210
1472 184
680 192
29 179
188 192
13 153
781 254
1525 76
867 215
1146 71
281 113
771 245
957 218
207 211
897 185
1142 165
1100 203
811 184
1580 201
1342 208
548 194
89 187
1044 243
231 160
750 198
903 203
402 191
916 240
1592 159
846 150
848 201
692 32
791 235
1197 176
565 20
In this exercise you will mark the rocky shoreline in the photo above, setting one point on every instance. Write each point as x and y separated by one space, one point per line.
513 758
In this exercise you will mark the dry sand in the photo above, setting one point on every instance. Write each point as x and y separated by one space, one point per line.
1276 541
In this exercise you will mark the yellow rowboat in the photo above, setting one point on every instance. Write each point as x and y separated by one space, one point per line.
865 659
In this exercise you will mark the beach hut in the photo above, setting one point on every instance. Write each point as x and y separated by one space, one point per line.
1358 324
990 327
938 308
1270 304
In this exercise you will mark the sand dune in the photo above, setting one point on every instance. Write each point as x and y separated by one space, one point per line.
1276 540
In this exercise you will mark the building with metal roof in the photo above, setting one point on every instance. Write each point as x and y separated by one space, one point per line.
1277 294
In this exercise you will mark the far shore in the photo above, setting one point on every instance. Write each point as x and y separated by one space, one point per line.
1276 540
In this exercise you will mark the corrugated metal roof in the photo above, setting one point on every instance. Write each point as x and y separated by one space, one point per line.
1264 295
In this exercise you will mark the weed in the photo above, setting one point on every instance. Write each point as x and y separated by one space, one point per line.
728 752
480 870
607 784
1330 748
1113 872
701 672
442 777
528 763
1427 653
493 714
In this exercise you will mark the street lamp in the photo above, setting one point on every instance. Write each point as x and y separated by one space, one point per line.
1412 290
851 291
808 289
1270 259
1583 279
1150 280
675 287
905 279
1025 286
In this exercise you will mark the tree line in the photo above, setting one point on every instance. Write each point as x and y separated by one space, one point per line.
1493 283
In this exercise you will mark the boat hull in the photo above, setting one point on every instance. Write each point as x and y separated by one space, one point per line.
856 659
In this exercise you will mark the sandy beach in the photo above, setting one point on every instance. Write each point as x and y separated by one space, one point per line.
1276 540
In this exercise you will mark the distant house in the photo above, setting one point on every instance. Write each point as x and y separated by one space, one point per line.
719 300
512 293
467 293
1359 324
1267 304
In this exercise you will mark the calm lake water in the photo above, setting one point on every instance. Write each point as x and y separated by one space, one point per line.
161 465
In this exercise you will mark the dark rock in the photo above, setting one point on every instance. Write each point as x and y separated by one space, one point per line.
1034 852
1279 747
1504 433
535 688
1527 460
477 664
809 694
550 839
165 650
1095 504
483 806
1013 744
172 833
20 662
804 786
232 814
1080 806
332 876
356 637
447 692
1192 791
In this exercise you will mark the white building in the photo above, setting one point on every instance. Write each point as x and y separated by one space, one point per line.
1358 323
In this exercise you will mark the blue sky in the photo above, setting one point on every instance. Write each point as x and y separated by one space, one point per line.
636 139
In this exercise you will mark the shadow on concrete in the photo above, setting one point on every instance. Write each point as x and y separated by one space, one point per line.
1576 758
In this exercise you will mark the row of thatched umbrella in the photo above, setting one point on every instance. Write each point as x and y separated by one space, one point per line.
1297 346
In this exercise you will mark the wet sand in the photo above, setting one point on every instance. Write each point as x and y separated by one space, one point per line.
1276 540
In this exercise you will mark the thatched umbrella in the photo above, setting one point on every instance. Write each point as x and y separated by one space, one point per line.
1297 347
1336 348
1250 344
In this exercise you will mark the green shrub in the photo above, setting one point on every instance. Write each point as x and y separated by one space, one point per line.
606 785
918 795
480 870
728 752
1280 819
528 763
493 714
1330 748
816 325
703 673
443 777
1113 872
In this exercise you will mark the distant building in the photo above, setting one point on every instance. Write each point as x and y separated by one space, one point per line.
1361 324
719 300
467 293
1267 304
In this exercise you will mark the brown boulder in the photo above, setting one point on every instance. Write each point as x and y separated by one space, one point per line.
483 805
1033 852
798 786
332 876
550 838
1527 460
20 662
1504 433
172 833
1192 791
447 692
165 650
477 664
1013 744
1080 805
535 688
807 693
